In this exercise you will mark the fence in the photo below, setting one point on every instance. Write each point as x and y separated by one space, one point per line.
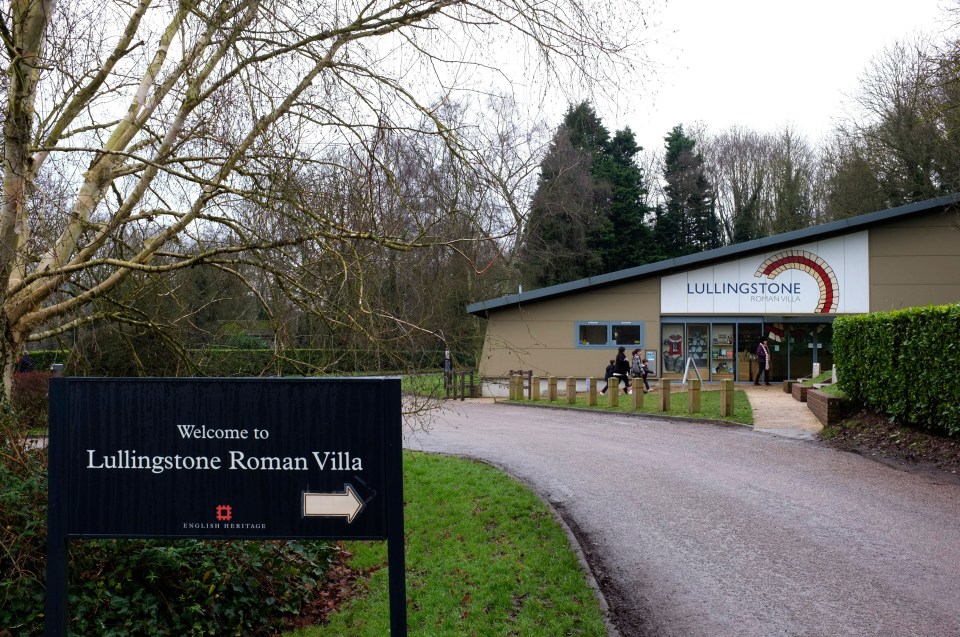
456 384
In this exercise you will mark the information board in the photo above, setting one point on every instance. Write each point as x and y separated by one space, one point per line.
226 459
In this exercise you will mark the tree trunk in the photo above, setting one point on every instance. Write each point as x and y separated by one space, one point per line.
9 354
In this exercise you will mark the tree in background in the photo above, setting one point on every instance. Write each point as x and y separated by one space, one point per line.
588 214
147 137
557 245
738 160
686 221
902 146
629 239
792 168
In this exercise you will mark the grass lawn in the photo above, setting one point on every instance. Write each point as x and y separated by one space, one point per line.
824 377
709 405
423 384
484 557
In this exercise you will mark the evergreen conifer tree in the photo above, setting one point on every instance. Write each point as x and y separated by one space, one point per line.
588 215
687 222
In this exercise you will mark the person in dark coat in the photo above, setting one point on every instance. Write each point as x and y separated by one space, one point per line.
608 374
763 357
623 369
25 363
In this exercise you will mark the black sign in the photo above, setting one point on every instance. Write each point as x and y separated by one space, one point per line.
226 458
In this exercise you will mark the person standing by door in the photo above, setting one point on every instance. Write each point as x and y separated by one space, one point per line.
763 357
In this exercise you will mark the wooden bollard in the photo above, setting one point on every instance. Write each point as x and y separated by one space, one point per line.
637 394
571 390
591 391
664 395
513 387
693 397
552 389
535 388
613 395
726 397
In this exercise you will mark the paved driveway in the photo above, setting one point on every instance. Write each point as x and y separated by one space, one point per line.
696 529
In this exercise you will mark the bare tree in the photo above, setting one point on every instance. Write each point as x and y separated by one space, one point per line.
147 136
738 160
900 145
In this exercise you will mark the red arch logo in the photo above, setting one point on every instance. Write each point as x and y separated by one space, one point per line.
811 264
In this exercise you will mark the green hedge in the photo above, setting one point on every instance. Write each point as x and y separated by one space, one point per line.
43 359
903 364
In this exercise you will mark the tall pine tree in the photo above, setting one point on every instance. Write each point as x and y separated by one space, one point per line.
588 214
687 221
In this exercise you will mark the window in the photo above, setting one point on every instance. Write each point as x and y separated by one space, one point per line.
628 334
593 334
609 333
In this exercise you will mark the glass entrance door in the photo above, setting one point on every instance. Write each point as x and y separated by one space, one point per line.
810 343
748 335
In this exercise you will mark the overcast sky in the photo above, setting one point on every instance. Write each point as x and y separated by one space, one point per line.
763 63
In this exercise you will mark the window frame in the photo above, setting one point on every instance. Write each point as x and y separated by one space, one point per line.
609 325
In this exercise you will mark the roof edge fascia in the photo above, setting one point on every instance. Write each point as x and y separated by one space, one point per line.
687 262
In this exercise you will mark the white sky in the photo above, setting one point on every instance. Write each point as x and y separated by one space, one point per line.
763 63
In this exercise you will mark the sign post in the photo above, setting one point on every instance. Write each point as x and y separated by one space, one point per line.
224 459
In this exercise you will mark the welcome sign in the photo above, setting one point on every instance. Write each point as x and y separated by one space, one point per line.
823 277
224 458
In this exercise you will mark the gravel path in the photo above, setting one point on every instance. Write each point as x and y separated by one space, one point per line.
696 529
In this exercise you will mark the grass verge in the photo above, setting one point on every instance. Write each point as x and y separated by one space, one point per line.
709 405
430 385
484 557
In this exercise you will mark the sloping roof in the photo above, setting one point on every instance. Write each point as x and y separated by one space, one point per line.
701 259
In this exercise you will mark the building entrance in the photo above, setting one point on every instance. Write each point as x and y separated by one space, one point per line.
717 349
809 344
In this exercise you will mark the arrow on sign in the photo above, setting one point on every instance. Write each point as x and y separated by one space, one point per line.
347 504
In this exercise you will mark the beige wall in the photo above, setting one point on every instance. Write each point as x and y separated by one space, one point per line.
541 336
915 262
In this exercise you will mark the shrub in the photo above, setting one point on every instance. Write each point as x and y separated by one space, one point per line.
142 587
23 528
191 587
28 398
903 364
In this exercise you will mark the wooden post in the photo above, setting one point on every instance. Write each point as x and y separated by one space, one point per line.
591 391
513 386
571 390
664 395
637 393
552 389
693 397
535 388
726 397
613 395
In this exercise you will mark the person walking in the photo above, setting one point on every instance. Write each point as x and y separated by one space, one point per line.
763 357
623 369
608 374
644 372
639 369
